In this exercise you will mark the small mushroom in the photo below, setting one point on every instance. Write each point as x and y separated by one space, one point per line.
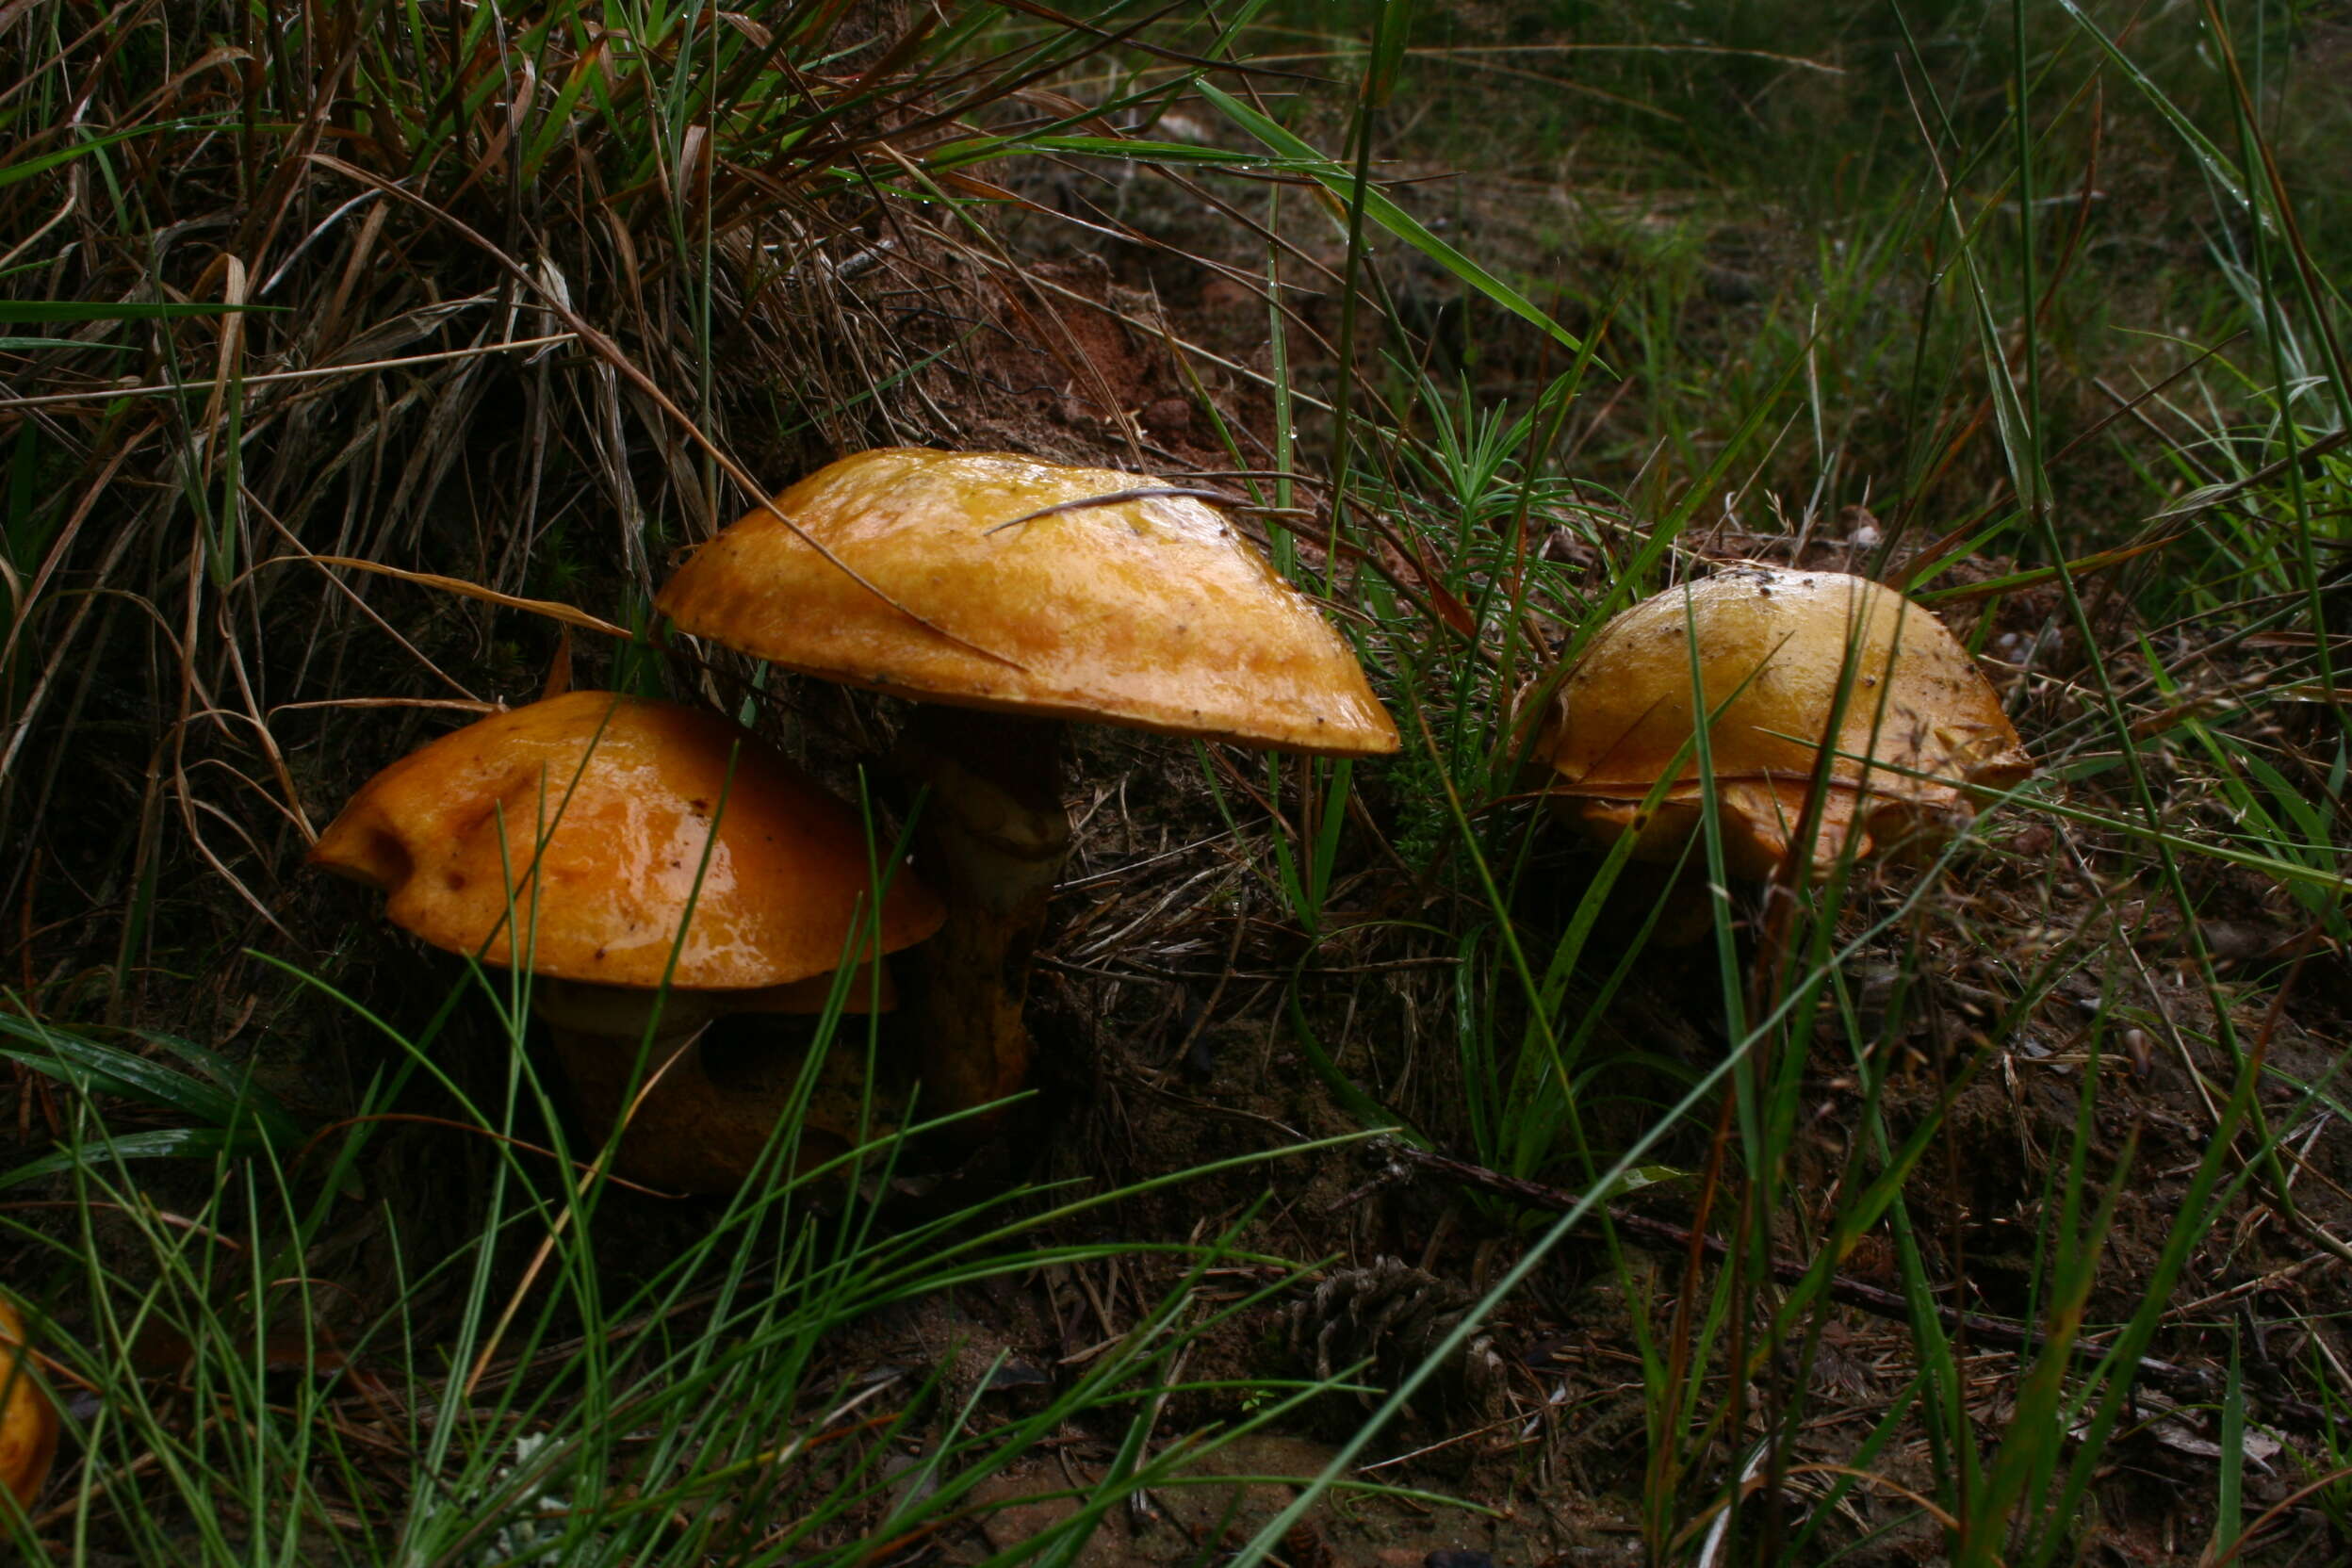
618 798
1034 593
1920 735
29 1417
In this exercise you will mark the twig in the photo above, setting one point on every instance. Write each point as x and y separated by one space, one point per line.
1120 498
272 378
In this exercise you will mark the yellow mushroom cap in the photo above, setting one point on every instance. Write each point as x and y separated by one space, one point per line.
1153 613
786 878
1917 705
29 1421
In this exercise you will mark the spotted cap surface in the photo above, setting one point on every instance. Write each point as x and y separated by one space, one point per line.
1771 649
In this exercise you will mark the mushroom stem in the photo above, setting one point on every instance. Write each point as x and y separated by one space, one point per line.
700 1127
992 840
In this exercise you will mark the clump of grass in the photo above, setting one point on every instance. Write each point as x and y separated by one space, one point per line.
596 1407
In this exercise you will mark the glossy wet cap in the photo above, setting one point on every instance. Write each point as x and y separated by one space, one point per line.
786 877
1771 648
1153 613
29 1421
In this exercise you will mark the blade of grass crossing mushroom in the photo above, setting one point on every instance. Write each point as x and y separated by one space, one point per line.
520 977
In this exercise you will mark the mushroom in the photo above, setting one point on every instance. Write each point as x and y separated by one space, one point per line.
1921 732
29 1418
1034 593
625 793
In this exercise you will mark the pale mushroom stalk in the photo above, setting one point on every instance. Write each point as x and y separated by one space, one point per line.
691 1124
991 840
597 1031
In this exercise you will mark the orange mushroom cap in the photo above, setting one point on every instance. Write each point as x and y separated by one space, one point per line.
624 792
29 1420
1153 613
1921 730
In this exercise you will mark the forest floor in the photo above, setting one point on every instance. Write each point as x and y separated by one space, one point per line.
1384 1191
